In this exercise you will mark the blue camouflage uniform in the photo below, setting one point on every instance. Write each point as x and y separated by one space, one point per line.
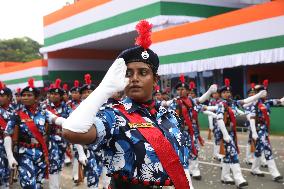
57 145
262 143
30 156
216 130
231 152
5 114
127 153
196 133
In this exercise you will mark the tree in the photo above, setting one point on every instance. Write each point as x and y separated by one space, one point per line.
19 50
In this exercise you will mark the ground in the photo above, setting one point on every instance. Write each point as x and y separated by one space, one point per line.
210 169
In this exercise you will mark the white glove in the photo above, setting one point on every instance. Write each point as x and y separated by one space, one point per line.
248 104
210 120
253 129
166 103
82 156
259 95
206 96
59 121
8 148
50 117
240 112
282 101
211 108
210 114
224 131
83 117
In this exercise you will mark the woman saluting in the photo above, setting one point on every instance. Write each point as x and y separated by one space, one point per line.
143 145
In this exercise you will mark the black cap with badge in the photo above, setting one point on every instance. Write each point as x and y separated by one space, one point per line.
31 88
4 90
56 88
141 52
75 87
88 84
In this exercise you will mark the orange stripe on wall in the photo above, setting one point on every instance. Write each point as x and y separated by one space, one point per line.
24 66
84 54
242 16
68 11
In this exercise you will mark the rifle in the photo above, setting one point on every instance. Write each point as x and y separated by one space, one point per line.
80 172
13 176
15 143
252 146
209 137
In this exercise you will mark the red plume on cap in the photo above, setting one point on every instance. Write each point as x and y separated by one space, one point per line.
45 89
76 83
181 78
252 85
265 83
227 82
65 87
168 89
57 83
2 85
144 31
18 90
157 88
31 83
51 86
192 85
88 79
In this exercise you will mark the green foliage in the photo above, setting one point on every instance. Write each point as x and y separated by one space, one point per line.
19 50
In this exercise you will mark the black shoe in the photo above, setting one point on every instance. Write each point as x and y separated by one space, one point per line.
277 179
228 182
244 184
76 182
197 177
257 174
248 163
264 166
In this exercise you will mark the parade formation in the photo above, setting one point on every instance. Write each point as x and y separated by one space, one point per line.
127 131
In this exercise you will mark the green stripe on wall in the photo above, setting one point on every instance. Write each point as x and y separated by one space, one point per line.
159 8
248 46
70 76
187 9
25 79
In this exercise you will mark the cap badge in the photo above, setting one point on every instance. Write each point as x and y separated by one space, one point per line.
145 55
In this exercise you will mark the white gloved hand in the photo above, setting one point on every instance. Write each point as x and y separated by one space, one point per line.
82 156
282 101
259 95
210 114
206 96
211 108
240 112
249 104
59 121
50 116
253 129
224 131
83 117
166 103
8 148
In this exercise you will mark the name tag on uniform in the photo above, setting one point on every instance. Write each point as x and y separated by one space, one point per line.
27 120
140 125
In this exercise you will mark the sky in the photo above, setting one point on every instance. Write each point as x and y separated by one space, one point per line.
20 18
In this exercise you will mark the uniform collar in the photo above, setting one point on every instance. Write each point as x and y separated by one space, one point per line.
131 106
